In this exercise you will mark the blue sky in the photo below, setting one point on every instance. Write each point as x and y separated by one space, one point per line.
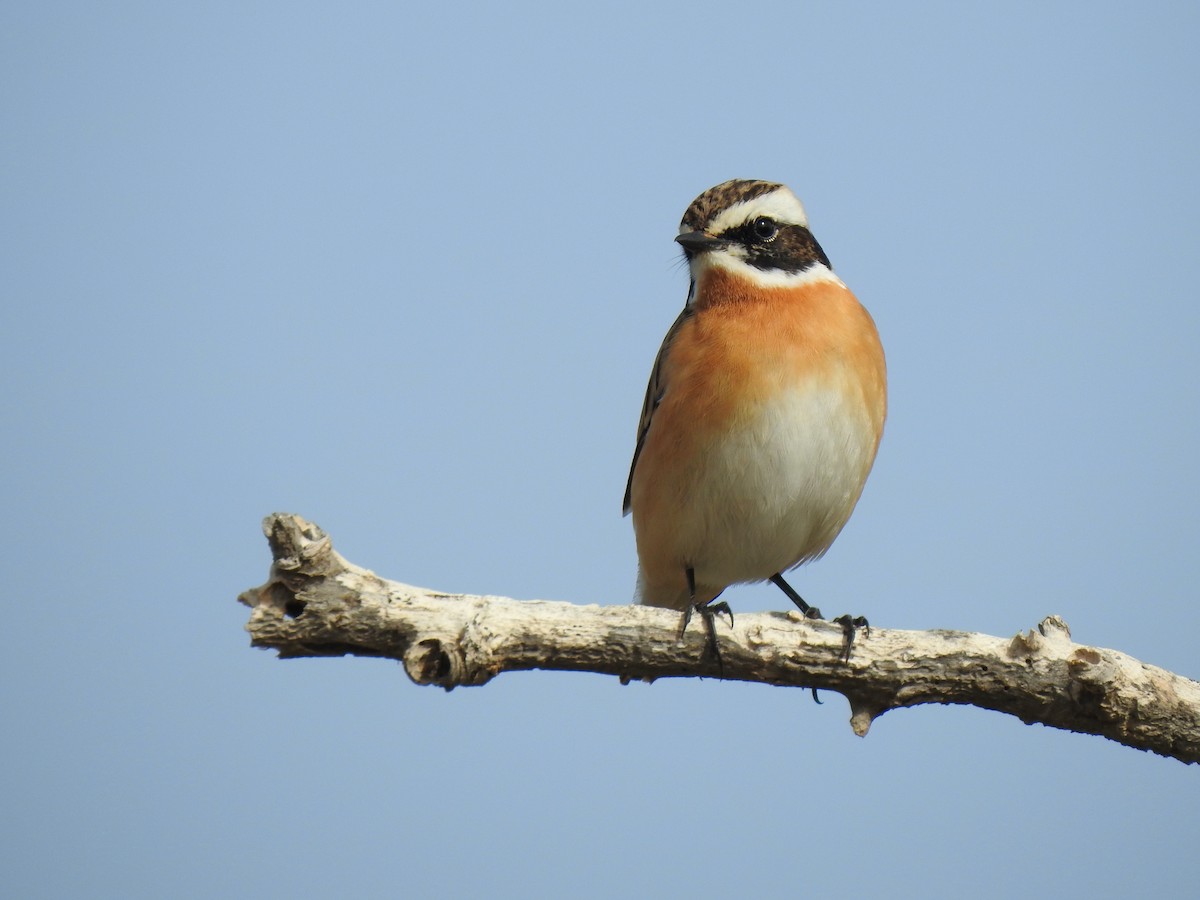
404 271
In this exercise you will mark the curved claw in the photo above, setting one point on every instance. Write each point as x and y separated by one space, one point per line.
721 607
683 623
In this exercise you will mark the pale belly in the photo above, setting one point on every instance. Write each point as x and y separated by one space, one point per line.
763 497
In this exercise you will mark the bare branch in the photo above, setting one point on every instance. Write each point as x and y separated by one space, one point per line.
315 603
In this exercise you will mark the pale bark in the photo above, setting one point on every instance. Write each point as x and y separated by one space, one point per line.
317 604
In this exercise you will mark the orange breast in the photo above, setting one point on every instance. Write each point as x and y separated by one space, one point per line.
746 341
744 345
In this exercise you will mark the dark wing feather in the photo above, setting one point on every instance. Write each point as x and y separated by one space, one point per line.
654 394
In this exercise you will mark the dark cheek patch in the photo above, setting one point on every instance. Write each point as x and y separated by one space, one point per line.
793 250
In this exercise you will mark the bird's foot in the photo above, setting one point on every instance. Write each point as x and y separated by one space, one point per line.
850 626
708 613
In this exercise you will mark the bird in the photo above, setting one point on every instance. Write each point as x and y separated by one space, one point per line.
763 413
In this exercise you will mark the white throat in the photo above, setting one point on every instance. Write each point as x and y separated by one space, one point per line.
734 264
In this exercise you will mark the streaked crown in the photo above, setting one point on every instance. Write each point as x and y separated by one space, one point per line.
759 224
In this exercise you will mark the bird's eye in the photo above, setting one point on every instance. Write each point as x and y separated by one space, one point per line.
765 229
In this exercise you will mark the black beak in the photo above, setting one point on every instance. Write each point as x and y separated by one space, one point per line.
694 242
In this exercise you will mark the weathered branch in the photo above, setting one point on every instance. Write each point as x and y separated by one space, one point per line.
317 604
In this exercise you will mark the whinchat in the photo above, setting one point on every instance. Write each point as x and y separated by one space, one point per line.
764 410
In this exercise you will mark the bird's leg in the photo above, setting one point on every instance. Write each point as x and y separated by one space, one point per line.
850 624
809 612
707 613
690 574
